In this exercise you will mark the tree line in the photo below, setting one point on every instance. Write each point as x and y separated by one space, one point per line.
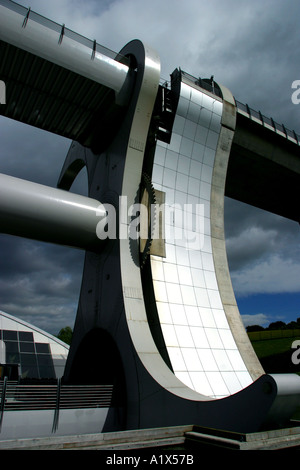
277 325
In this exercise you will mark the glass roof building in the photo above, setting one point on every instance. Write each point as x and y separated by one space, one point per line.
33 353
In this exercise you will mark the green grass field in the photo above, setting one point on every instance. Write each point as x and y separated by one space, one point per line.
275 353
271 347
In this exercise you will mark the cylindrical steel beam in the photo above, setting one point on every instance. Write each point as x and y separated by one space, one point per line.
39 36
48 214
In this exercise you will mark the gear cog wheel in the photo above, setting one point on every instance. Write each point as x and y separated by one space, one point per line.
148 199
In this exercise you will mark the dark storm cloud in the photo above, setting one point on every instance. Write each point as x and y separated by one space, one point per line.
252 48
30 153
263 250
40 283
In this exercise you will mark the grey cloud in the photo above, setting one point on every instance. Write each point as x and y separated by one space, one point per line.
263 250
256 319
31 153
272 275
40 283
251 246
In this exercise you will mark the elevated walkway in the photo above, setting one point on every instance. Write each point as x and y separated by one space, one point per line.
58 80
264 164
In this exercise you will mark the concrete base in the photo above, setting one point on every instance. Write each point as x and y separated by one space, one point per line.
111 441
205 438
188 439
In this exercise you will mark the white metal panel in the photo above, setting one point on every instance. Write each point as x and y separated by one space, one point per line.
194 325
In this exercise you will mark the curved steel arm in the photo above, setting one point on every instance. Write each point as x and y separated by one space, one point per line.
47 214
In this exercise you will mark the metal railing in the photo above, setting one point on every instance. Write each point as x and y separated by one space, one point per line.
62 30
38 397
211 86
205 83
268 122
16 397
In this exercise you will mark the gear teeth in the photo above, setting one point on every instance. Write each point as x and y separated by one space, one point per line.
146 184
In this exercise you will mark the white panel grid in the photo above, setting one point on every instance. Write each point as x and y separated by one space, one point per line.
200 344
